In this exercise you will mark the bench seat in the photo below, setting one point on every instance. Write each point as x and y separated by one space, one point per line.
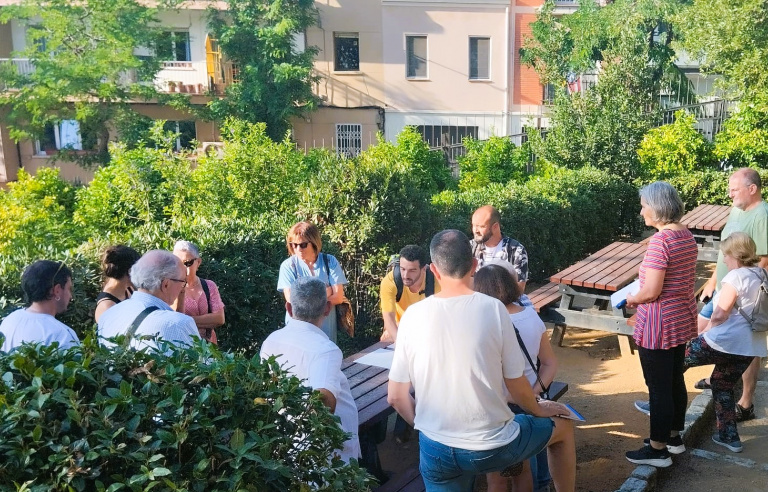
544 296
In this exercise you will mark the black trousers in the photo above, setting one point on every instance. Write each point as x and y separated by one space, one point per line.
663 373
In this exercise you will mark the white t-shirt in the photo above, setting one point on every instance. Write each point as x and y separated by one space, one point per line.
306 352
23 326
456 353
531 328
735 336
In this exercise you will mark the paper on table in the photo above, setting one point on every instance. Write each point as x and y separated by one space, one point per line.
380 358
619 298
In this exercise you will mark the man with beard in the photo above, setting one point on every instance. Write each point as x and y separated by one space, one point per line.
489 246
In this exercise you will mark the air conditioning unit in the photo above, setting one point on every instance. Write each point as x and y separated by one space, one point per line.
210 147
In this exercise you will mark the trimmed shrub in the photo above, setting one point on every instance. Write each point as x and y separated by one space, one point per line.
496 160
675 149
90 418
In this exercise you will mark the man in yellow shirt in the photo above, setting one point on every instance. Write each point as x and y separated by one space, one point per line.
409 282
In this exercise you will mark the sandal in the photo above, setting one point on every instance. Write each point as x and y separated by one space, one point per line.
743 414
702 384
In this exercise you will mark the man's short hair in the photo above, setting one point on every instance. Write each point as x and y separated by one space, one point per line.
40 277
750 177
662 198
154 266
413 252
308 299
451 253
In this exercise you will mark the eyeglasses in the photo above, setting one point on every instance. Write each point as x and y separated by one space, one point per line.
177 280
300 245
189 263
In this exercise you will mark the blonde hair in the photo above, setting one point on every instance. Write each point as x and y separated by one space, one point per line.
303 231
741 248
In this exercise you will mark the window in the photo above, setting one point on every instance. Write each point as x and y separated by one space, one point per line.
349 140
479 58
173 46
65 135
185 133
440 135
549 95
416 57
346 47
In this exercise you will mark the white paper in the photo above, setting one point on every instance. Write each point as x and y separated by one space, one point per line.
621 295
380 358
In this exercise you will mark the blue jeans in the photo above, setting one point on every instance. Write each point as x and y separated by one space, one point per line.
449 469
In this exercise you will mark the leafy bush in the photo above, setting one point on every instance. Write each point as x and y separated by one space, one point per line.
744 139
674 149
90 418
496 160
558 220
707 187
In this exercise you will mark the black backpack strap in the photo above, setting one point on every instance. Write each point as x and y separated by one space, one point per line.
135 325
429 283
327 268
207 293
544 388
398 276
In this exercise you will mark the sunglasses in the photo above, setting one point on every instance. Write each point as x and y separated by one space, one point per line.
300 245
189 263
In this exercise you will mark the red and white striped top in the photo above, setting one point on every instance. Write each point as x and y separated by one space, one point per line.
670 320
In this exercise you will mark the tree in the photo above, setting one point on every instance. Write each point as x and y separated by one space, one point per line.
729 38
275 81
85 65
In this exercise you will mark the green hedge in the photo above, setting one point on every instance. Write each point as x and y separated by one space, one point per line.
98 419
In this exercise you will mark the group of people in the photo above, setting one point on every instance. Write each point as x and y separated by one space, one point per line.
144 298
466 336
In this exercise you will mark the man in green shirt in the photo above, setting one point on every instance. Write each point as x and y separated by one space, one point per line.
749 215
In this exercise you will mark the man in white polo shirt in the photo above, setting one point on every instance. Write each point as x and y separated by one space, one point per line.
459 351
306 352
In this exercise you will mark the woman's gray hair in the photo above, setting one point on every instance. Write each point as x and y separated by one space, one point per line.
308 299
148 273
187 246
663 200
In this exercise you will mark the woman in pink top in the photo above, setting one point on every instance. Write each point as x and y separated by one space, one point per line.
666 320
201 297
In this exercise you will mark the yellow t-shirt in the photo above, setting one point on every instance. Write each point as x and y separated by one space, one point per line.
388 294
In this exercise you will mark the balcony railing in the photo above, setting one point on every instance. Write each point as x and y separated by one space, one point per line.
23 67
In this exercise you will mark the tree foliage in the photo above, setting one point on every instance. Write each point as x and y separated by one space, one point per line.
496 160
85 66
275 75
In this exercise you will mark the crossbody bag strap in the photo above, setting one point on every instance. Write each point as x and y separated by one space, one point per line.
327 268
544 388
207 293
135 325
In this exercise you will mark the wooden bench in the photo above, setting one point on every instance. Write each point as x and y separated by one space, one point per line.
544 296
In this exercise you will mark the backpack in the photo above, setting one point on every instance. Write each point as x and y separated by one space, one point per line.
758 319
394 267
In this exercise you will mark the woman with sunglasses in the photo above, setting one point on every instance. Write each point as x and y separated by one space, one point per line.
47 287
305 260
116 263
201 298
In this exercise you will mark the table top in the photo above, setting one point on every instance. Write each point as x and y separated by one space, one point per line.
707 218
369 387
609 269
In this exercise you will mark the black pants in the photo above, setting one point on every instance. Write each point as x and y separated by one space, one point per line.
663 373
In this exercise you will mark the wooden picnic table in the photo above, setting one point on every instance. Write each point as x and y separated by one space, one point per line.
369 387
706 222
586 289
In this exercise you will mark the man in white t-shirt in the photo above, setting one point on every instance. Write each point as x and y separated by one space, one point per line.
459 351
47 286
305 351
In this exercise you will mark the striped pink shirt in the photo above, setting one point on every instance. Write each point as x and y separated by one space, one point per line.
670 320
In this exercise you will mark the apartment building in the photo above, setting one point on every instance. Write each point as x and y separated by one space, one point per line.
450 68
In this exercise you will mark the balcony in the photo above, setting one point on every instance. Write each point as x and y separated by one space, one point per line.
22 66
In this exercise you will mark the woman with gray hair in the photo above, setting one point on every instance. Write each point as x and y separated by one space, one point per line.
666 320
201 299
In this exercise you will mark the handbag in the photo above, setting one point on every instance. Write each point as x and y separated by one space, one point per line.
344 314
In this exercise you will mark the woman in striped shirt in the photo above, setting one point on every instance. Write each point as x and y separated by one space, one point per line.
666 320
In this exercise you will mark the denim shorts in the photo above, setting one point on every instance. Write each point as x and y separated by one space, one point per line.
708 309
445 468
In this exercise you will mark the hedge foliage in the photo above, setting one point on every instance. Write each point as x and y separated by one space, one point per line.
91 418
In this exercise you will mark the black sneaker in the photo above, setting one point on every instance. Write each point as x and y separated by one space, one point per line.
660 458
674 445
743 414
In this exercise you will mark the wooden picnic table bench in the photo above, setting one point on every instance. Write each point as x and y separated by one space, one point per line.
706 222
586 287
